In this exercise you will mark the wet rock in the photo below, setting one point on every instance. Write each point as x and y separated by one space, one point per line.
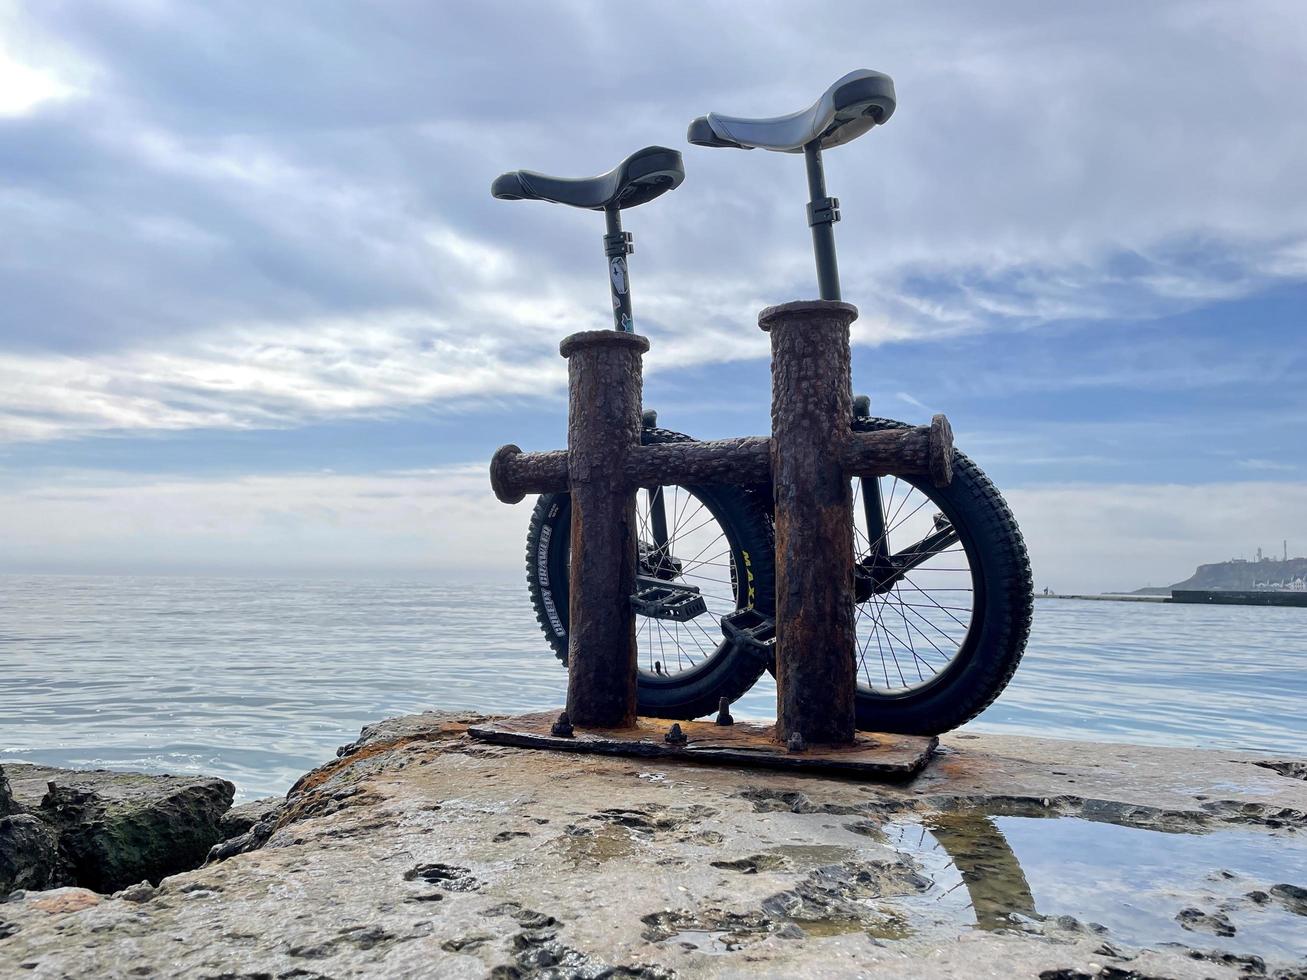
402 857
1196 920
242 818
1245 963
113 829
1292 769
251 840
140 892
29 853
446 876
766 800
1102 973
1291 897
752 864
840 891
730 929
1069 923
866 828
652 819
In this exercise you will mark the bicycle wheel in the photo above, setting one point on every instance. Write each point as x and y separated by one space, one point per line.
945 597
711 548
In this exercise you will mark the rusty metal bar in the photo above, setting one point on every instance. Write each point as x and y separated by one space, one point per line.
924 450
812 401
603 428
514 474
920 451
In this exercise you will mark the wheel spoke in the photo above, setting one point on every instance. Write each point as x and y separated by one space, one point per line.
916 619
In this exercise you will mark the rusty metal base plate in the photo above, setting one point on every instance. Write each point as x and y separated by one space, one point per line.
872 756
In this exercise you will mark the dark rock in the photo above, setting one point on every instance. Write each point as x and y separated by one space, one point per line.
1294 769
1246 963
753 864
1291 897
140 892
446 876
29 854
7 804
241 819
115 829
1106 973
838 892
1196 920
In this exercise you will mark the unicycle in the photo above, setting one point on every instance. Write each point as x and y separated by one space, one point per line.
942 580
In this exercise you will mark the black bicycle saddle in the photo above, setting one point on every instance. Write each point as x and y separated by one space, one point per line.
639 178
858 101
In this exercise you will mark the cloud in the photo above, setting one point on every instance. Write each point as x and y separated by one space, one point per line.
1278 466
1119 537
268 216
441 519
34 71
23 88
266 173
272 376
1081 537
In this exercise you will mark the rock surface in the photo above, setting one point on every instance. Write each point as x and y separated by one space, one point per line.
419 852
104 830
241 819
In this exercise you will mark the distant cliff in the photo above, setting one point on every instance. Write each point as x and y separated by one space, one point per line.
1245 575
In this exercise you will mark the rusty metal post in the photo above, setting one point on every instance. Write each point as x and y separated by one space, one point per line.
603 426
812 404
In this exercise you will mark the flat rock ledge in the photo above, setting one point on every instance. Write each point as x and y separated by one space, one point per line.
105 830
420 852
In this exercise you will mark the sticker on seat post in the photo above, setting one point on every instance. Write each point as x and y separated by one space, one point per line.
621 302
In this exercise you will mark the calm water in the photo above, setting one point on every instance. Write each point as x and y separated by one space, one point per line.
259 680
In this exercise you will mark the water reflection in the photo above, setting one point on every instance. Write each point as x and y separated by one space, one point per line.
987 866
1004 872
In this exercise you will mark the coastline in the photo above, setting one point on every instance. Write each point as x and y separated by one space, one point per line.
1104 597
420 852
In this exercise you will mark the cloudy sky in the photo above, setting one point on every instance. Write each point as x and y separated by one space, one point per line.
258 312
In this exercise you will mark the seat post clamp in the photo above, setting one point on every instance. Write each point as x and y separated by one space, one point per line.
618 243
823 211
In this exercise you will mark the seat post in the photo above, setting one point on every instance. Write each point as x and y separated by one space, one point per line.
823 212
617 246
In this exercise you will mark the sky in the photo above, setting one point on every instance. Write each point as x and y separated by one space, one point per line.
260 315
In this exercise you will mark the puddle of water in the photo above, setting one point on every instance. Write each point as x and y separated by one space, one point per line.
995 872
887 928
705 941
590 846
804 857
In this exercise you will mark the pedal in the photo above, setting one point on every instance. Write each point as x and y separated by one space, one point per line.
750 630
668 602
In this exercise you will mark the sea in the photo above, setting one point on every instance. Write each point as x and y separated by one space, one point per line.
258 680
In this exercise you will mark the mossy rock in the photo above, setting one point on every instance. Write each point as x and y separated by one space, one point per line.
115 829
